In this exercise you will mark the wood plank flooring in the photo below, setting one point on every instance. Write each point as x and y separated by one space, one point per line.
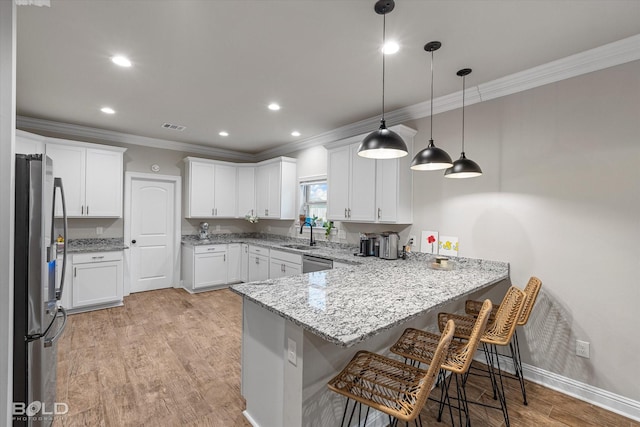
169 358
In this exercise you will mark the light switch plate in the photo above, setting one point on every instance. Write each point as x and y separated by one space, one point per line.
291 352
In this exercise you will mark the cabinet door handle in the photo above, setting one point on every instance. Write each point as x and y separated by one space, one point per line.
87 209
379 213
349 212
82 210
224 258
345 212
212 212
75 271
97 257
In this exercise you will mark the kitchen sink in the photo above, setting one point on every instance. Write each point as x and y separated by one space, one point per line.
300 247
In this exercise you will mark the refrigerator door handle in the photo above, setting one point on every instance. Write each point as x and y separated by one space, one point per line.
57 183
48 342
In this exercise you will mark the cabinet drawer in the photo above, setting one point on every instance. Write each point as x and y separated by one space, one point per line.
286 256
203 249
97 257
257 250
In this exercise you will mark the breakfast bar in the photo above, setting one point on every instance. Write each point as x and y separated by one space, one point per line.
299 331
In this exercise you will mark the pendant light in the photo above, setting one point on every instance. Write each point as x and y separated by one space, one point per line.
383 143
463 167
431 158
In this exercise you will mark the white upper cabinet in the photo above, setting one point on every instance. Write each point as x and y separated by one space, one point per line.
91 177
246 190
276 188
29 143
350 185
367 190
210 189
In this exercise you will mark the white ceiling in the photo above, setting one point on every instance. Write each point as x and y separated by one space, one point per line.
215 65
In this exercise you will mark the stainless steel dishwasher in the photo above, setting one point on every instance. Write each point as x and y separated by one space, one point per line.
312 263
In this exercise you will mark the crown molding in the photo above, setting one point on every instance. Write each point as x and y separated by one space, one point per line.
609 55
79 131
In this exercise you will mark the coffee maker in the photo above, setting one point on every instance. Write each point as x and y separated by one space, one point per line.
389 245
369 244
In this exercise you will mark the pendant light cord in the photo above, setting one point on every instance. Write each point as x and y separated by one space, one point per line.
463 91
431 137
384 39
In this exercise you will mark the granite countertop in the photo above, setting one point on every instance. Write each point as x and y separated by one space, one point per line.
346 306
95 245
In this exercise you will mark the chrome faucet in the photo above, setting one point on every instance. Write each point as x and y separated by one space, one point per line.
311 241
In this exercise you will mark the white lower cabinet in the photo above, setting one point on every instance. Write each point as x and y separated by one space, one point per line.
234 262
244 263
284 264
97 279
204 266
258 263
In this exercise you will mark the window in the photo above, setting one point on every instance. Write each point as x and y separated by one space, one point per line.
313 199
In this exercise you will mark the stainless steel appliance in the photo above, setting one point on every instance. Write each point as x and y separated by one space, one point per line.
38 319
389 245
311 263
369 244
203 233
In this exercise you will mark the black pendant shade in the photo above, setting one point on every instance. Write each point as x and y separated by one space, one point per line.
383 143
431 158
463 167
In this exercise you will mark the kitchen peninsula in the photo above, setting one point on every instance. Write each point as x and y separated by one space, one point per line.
299 331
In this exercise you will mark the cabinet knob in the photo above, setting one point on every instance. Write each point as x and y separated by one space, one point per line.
133 241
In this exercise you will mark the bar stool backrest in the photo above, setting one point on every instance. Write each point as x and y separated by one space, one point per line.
464 357
531 290
501 330
426 384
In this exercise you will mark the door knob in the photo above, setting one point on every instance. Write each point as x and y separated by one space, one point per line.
133 241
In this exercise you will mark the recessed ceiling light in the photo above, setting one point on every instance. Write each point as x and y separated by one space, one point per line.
390 48
108 110
223 133
120 60
274 107
295 133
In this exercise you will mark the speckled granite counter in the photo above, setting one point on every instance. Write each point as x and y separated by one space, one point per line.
95 245
346 306
335 251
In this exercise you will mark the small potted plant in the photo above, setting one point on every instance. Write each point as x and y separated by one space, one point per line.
328 226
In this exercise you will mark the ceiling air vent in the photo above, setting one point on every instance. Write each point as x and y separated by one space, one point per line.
173 127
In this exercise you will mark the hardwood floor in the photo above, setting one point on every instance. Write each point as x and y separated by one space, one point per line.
169 358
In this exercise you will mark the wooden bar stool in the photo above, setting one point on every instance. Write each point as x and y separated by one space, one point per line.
420 346
388 385
531 291
499 332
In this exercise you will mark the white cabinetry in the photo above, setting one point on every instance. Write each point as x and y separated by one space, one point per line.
210 189
97 279
234 263
284 264
276 188
367 190
29 143
394 185
91 176
351 185
244 263
246 190
258 263
204 266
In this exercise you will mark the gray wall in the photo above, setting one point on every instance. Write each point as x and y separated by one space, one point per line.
559 199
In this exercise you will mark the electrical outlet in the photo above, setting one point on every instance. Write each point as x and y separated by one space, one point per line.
582 349
412 240
291 352
99 230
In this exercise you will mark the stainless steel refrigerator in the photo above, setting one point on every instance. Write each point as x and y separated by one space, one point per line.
39 320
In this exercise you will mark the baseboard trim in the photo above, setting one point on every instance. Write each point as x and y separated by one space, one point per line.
248 417
596 396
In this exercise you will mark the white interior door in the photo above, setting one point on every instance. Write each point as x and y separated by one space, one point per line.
152 225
